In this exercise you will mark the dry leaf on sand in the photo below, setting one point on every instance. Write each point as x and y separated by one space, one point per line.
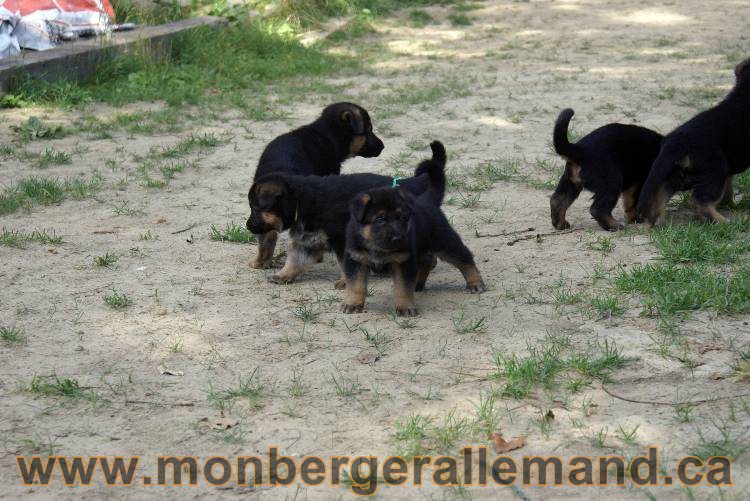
502 446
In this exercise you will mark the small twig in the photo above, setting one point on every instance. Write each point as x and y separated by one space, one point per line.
672 404
538 236
186 229
163 404
503 234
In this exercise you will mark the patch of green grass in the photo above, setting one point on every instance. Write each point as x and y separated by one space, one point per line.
726 445
358 26
44 191
52 157
36 128
194 142
251 390
703 242
12 334
106 260
606 306
546 363
54 386
420 18
117 300
669 289
464 325
17 238
253 54
460 20
231 233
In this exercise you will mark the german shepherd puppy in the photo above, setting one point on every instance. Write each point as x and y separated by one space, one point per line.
343 130
315 209
703 154
390 226
611 161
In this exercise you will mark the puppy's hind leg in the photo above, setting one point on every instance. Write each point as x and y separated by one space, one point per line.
567 191
266 246
425 264
713 177
453 250
629 201
727 200
705 198
601 209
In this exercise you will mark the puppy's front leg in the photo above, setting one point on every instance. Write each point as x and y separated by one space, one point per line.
356 275
340 284
404 283
297 258
266 246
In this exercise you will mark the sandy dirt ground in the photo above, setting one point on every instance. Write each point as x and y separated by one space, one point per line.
492 90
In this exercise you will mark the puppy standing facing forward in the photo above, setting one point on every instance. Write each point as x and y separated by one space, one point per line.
389 226
610 161
343 131
703 154
315 209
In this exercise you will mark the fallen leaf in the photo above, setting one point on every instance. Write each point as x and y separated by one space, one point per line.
169 372
220 423
549 416
502 446
161 220
52 251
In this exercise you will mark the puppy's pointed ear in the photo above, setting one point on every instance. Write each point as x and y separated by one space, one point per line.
265 194
353 117
358 207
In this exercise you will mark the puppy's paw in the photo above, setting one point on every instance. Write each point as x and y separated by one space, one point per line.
260 265
407 311
476 287
340 284
352 308
419 287
616 227
562 225
281 279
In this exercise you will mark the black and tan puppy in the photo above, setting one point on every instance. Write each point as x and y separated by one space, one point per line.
611 161
703 154
342 131
391 227
315 209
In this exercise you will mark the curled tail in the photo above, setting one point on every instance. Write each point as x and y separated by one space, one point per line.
435 169
563 146
672 151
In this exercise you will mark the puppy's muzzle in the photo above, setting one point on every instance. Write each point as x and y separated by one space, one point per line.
373 147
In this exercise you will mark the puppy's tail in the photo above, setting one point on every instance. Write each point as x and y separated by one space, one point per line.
435 169
672 151
563 146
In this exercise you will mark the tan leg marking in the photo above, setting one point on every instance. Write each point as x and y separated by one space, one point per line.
423 272
403 293
629 202
266 246
657 208
708 211
340 284
474 282
356 291
727 200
